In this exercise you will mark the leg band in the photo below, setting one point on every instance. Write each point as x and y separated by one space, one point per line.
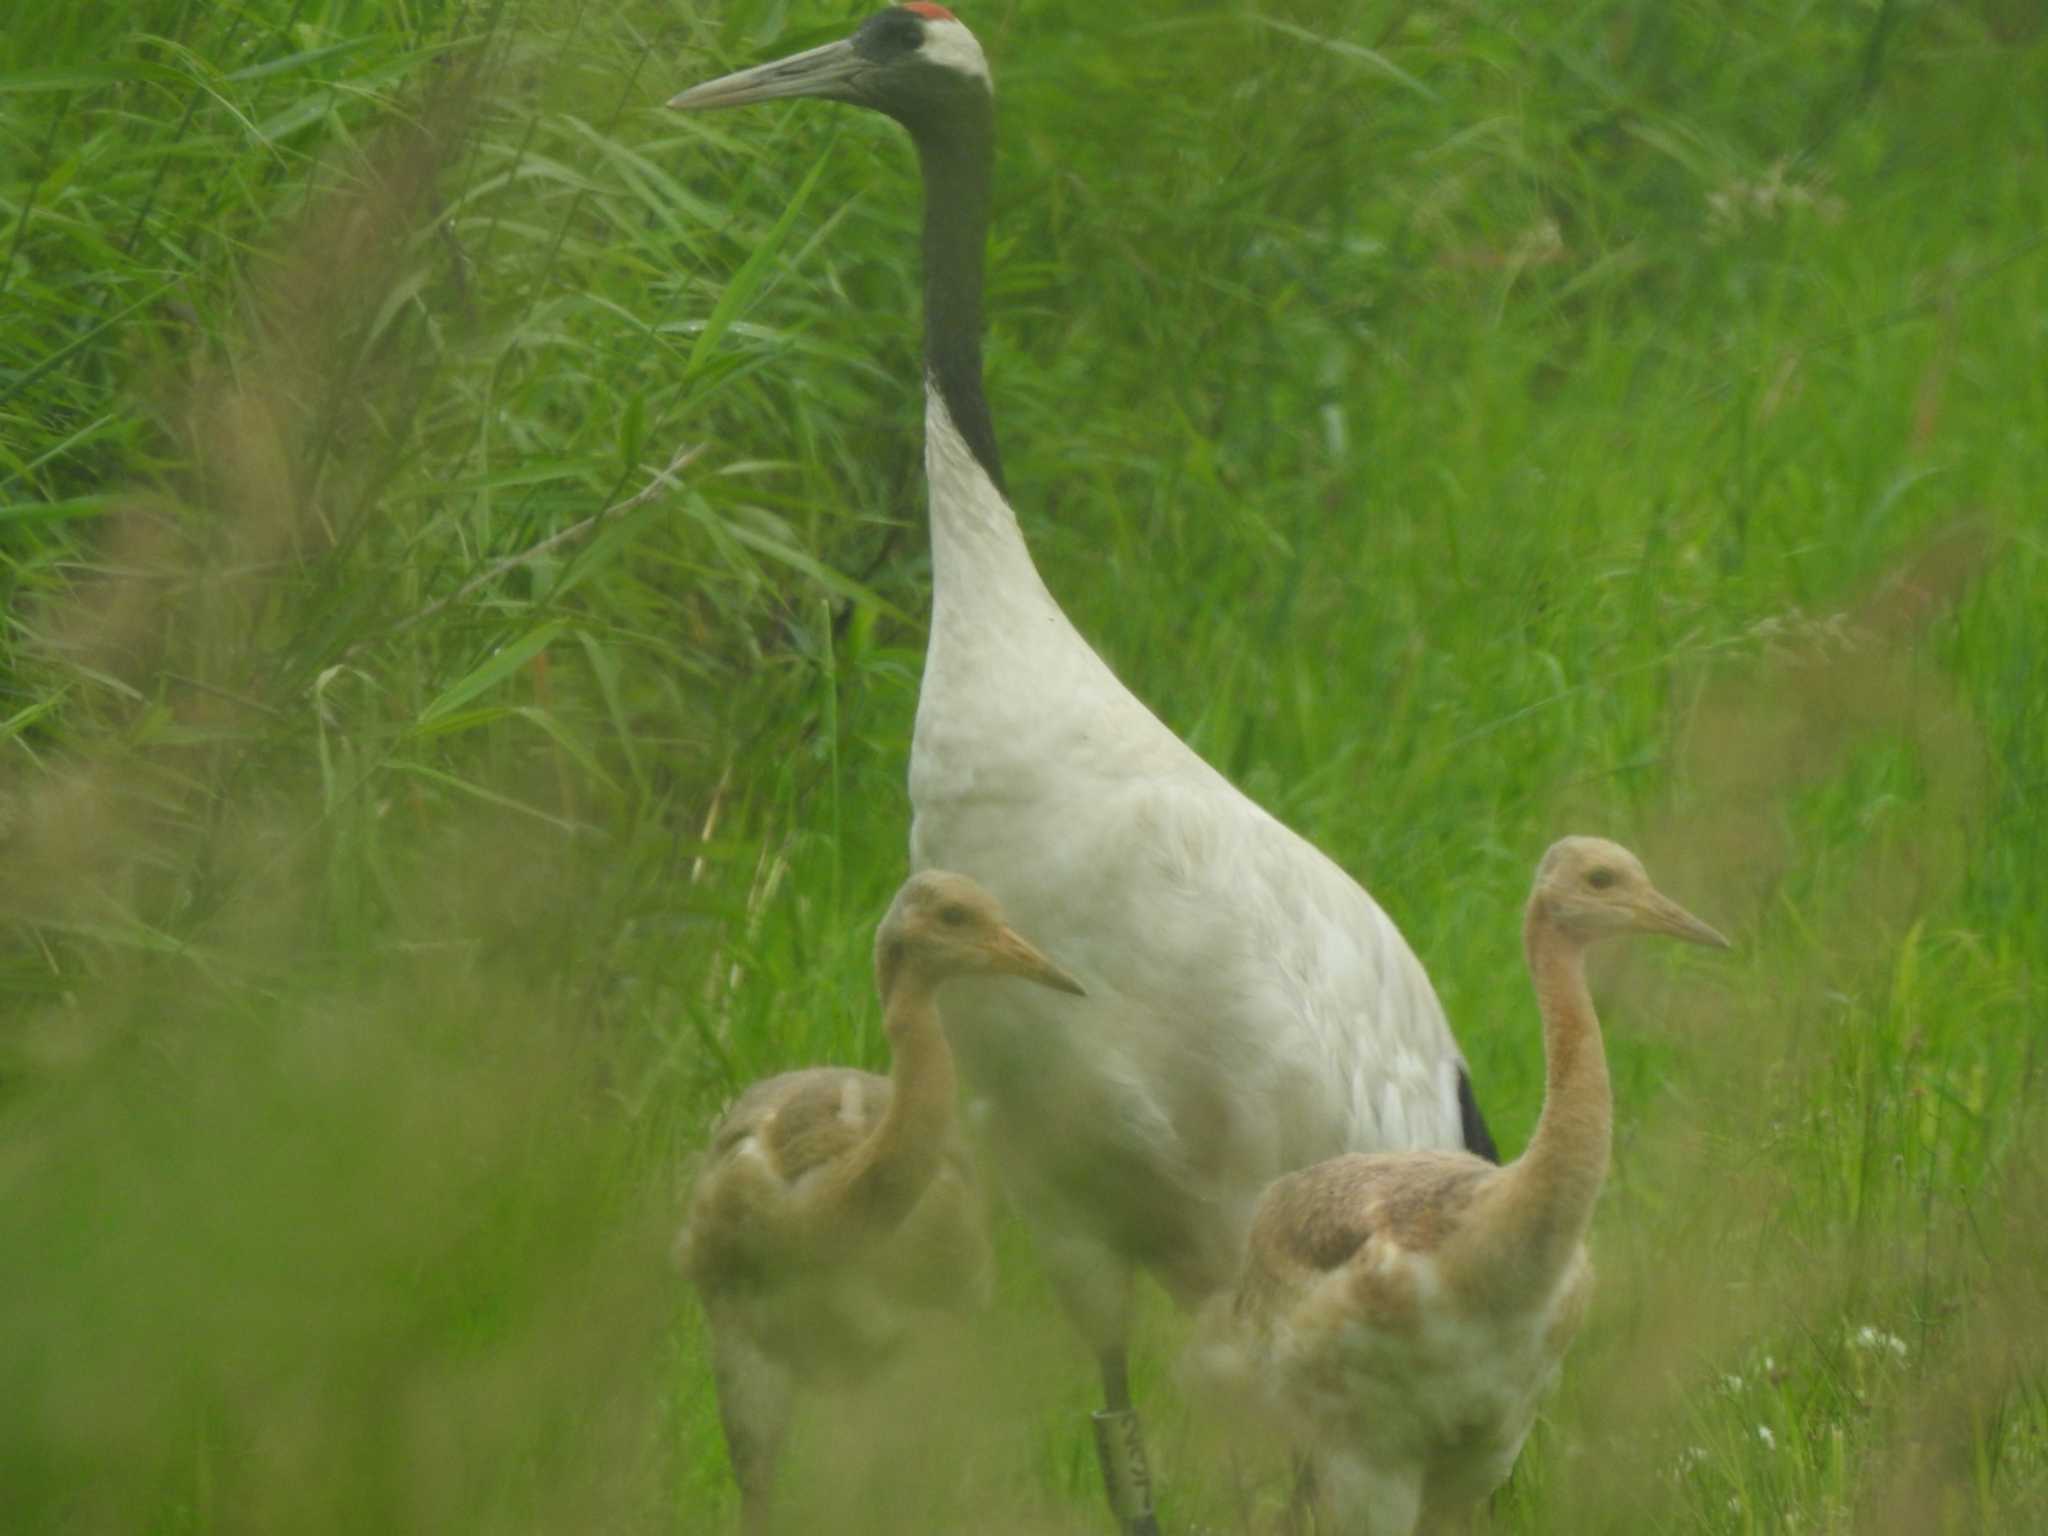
1120 1446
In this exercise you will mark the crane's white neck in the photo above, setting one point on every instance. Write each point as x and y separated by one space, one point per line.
978 554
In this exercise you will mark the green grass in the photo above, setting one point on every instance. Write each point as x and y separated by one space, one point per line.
1463 424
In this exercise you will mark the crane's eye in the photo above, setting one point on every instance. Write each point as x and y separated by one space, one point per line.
953 914
1600 878
895 33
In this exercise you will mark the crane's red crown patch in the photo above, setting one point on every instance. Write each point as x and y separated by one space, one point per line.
930 12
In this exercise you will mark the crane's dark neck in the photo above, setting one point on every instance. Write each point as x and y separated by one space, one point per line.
957 152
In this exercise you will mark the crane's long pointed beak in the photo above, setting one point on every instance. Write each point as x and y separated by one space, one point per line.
1667 916
828 71
1018 956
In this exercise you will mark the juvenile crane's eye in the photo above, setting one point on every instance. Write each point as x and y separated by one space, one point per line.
953 914
1600 878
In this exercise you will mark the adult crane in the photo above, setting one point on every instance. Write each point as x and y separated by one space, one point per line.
1250 1009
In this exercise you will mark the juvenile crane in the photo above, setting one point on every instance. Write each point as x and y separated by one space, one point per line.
1406 1312
836 1209
1251 1009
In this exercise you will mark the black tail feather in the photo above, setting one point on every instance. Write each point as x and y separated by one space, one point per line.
1478 1139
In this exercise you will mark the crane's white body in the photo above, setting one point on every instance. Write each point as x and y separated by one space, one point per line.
1250 1009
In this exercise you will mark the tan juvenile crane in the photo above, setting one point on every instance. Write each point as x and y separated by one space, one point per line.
836 1209
1405 1313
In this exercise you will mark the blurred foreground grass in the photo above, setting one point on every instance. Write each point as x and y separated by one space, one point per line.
1464 426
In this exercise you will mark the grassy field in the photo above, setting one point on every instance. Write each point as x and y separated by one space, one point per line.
462 537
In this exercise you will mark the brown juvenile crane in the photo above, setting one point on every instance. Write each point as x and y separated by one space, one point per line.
1405 1313
836 1210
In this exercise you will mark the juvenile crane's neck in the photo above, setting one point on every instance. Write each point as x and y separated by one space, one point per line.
1549 1192
874 1187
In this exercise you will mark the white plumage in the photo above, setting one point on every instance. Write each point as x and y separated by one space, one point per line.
1251 1009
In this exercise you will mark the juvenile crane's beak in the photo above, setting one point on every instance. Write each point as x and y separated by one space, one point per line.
1663 915
1014 955
831 71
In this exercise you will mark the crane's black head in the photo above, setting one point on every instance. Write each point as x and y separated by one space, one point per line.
917 63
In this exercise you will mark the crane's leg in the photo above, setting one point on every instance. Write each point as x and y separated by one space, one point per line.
1120 1447
753 1405
1095 1287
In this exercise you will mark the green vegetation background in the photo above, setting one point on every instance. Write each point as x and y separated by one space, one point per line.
1463 423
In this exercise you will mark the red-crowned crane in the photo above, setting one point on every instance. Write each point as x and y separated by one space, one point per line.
1250 1009
1406 1312
837 1211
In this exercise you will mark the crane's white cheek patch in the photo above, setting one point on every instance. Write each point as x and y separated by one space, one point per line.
951 46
